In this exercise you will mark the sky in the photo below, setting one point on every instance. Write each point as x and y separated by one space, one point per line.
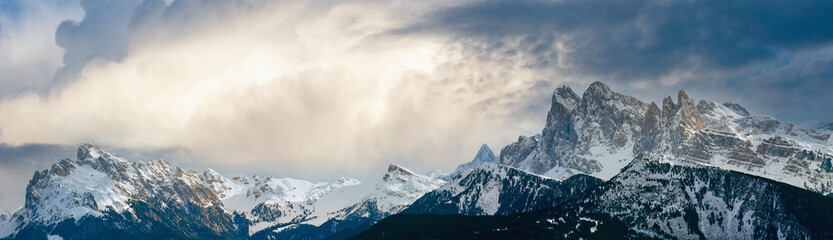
318 89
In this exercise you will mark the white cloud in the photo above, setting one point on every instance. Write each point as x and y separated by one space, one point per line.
302 87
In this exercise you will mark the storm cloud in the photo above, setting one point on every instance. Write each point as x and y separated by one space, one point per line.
640 39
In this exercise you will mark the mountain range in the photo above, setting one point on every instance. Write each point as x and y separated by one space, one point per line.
102 194
652 198
601 131
606 165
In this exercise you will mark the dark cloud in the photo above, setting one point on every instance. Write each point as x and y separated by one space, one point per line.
29 153
640 39
798 92
18 163
102 34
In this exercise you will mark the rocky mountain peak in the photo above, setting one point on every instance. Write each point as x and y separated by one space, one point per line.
566 97
88 150
598 95
690 114
737 108
484 155
396 170
607 129
668 107
682 97
597 89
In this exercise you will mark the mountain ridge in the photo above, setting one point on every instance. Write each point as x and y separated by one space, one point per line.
601 131
653 198
107 194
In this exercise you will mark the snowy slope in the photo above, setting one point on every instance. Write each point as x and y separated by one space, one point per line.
493 189
363 204
395 190
266 201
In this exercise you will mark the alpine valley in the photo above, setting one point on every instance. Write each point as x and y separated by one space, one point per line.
605 166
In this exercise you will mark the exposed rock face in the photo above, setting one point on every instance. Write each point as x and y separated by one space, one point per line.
601 131
493 189
515 153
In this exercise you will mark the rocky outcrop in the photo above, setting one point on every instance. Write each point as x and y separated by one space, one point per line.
516 153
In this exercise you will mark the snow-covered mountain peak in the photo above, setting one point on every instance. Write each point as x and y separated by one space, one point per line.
394 191
737 108
89 150
93 152
484 152
484 155
100 183
599 89
608 129
388 194
394 169
399 180
345 181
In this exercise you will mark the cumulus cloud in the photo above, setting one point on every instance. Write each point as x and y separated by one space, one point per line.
302 87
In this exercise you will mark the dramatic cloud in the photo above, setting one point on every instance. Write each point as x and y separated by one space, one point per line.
641 39
740 49
101 35
319 89
296 86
